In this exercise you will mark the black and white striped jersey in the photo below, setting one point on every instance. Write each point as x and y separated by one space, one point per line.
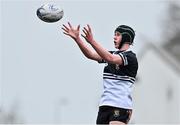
118 81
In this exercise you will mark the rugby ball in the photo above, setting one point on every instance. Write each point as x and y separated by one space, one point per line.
50 13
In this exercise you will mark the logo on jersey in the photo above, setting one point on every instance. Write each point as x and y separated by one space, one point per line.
116 113
117 67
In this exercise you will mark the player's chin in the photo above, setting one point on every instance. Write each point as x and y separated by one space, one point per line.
116 46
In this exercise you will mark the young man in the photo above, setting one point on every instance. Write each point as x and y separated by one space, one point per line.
115 106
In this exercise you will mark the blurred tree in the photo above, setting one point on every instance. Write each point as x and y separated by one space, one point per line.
11 116
171 32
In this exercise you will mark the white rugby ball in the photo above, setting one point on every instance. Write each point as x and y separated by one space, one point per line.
50 13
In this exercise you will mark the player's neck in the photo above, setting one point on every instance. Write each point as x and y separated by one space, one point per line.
125 47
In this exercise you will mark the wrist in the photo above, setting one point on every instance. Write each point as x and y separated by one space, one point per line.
77 39
92 42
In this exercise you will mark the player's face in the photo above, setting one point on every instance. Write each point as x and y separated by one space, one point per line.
117 39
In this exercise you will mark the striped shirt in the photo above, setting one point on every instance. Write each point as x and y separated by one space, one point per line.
118 81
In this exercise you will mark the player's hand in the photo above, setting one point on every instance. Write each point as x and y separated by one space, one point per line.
88 34
70 31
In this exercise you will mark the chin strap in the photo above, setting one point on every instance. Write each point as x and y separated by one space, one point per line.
125 38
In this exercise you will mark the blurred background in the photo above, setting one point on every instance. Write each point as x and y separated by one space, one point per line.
44 78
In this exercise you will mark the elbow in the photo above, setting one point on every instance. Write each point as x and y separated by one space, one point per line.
89 57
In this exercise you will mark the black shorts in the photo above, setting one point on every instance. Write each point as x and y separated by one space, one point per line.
107 114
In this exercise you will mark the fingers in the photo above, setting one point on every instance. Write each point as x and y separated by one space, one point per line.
66 30
85 37
78 27
70 25
89 28
70 31
66 33
65 27
85 31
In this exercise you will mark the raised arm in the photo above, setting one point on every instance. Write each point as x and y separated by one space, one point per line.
86 50
106 55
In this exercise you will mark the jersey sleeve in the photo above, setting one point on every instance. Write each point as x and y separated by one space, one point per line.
127 58
124 58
